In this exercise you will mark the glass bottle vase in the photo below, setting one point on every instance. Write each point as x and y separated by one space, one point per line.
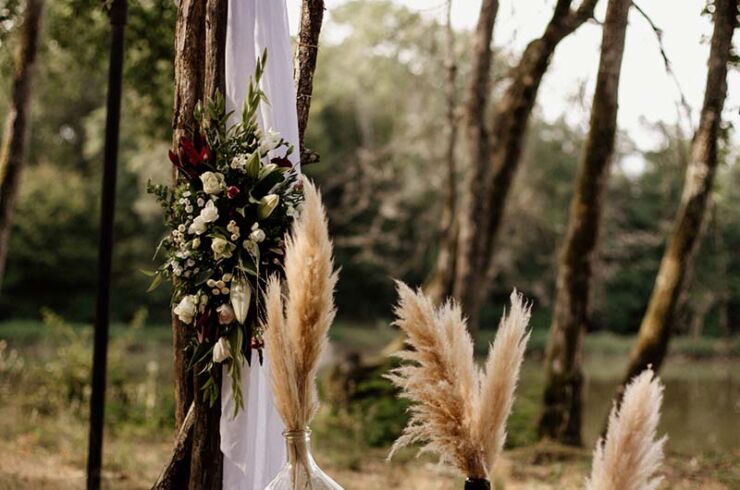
301 471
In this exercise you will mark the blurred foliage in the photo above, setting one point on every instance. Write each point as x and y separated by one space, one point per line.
56 374
378 122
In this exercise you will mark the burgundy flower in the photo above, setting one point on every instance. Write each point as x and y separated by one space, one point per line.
282 162
205 327
255 343
190 157
232 191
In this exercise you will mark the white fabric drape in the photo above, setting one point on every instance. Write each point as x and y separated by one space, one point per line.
252 442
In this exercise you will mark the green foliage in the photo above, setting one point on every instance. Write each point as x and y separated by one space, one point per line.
57 376
382 175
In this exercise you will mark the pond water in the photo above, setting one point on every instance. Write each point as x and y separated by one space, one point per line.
701 406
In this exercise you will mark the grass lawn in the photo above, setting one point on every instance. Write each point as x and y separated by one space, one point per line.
43 407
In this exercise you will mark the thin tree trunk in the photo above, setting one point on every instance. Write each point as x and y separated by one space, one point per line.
561 417
17 123
467 279
312 16
655 330
439 285
495 158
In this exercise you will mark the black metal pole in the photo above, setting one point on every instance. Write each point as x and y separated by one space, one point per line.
117 13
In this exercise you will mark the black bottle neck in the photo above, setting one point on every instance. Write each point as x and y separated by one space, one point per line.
477 484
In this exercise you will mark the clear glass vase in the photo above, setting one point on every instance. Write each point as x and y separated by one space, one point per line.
301 471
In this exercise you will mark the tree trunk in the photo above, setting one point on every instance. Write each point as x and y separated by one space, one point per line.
312 16
467 280
561 417
655 330
440 283
495 158
206 459
17 123
189 74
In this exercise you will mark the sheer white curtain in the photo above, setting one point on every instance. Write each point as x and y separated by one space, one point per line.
252 442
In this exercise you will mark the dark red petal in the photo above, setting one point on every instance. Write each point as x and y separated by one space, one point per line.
174 158
282 162
205 153
232 191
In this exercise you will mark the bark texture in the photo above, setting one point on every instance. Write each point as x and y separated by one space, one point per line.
478 151
439 285
189 74
495 156
17 123
312 16
171 476
656 326
200 39
561 417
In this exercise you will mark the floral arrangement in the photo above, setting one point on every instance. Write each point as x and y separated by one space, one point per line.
234 200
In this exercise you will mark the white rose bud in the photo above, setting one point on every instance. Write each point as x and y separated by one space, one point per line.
257 236
225 314
221 351
221 248
186 309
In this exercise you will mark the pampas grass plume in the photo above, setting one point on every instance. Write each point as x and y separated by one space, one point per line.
630 456
457 411
296 326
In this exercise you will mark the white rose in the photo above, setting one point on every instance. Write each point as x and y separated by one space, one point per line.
186 309
195 243
221 248
257 236
209 214
225 314
221 351
213 182
197 227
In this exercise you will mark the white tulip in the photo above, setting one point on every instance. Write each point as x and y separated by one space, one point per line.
225 314
197 227
209 213
221 351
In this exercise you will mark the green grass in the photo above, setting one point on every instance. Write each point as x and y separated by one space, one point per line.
44 374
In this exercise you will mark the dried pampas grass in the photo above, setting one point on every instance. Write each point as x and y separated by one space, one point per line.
457 411
630 456
296 326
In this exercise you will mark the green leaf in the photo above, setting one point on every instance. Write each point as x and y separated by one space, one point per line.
155 282
201 353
